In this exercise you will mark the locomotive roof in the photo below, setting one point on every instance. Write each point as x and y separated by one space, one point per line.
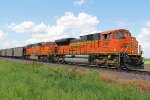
63 39
107 32
89 34
47 42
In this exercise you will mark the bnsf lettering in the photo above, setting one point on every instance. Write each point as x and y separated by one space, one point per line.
78 47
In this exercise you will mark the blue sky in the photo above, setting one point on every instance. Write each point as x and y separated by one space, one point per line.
50 15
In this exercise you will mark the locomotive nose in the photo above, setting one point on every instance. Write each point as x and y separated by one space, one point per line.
131 45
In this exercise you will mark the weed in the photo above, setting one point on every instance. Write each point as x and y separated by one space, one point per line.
109 77
142 84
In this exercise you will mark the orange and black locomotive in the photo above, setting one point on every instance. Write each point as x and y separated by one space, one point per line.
115 48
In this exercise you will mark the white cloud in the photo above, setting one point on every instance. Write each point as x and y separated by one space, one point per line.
7 43
79 2
29 27
144 40
67 25
81 24
1 34
124 23
147 23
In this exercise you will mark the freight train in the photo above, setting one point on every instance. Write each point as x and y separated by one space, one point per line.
114 48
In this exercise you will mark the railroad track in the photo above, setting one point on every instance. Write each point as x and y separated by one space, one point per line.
140 72
101 69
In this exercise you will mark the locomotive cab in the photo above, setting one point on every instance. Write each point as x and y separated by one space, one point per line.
124 45
119 41
48 48
128 48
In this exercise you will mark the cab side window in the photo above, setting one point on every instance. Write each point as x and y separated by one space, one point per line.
106 36
116 35
119 35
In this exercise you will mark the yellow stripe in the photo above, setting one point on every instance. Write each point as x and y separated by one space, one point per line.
135 54
86 42
104 53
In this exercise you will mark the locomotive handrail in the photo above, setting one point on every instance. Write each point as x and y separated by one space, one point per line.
126 49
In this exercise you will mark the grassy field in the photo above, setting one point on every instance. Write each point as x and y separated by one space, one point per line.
33 81
147 61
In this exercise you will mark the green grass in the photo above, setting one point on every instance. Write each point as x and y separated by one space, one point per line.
146 61
19 81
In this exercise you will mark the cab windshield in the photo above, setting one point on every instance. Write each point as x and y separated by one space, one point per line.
119 35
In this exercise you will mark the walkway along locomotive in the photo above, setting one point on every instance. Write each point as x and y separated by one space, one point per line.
115 48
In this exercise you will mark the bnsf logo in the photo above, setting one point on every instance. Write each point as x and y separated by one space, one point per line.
77 47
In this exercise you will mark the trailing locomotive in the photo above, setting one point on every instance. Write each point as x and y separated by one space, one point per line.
115 48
